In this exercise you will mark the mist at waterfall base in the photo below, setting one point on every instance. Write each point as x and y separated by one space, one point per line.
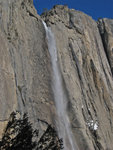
63 123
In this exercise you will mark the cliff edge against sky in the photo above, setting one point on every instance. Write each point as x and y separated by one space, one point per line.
85 55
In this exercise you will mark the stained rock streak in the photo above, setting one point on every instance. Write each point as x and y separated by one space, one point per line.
85 61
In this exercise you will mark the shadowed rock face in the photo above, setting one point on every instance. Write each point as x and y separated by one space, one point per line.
106 31
85 61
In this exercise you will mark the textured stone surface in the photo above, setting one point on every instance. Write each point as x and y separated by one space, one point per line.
25 69
24 62
87 76
106 30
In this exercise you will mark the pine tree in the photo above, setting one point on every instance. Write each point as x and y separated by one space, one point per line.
19 135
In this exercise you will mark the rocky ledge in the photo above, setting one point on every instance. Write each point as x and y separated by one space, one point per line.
85 54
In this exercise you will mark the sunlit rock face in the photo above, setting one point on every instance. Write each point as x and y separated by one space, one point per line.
24 63
85 50
87 75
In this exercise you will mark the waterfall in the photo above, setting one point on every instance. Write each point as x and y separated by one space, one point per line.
60 98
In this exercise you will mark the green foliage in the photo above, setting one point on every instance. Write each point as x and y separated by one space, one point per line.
49 140
19 135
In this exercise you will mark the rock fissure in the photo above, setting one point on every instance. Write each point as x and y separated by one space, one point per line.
85 57
104 33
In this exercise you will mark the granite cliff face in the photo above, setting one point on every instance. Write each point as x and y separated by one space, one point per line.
85 55
25 64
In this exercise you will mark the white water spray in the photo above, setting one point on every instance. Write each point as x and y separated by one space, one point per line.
63 123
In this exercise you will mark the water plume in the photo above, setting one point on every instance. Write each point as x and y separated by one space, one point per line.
60 98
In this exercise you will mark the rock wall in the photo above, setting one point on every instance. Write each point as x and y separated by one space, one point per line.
106 30
85 50
87 75
24 63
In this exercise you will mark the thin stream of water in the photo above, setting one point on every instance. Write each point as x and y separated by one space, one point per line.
63 123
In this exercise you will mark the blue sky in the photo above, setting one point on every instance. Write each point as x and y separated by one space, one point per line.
95 8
